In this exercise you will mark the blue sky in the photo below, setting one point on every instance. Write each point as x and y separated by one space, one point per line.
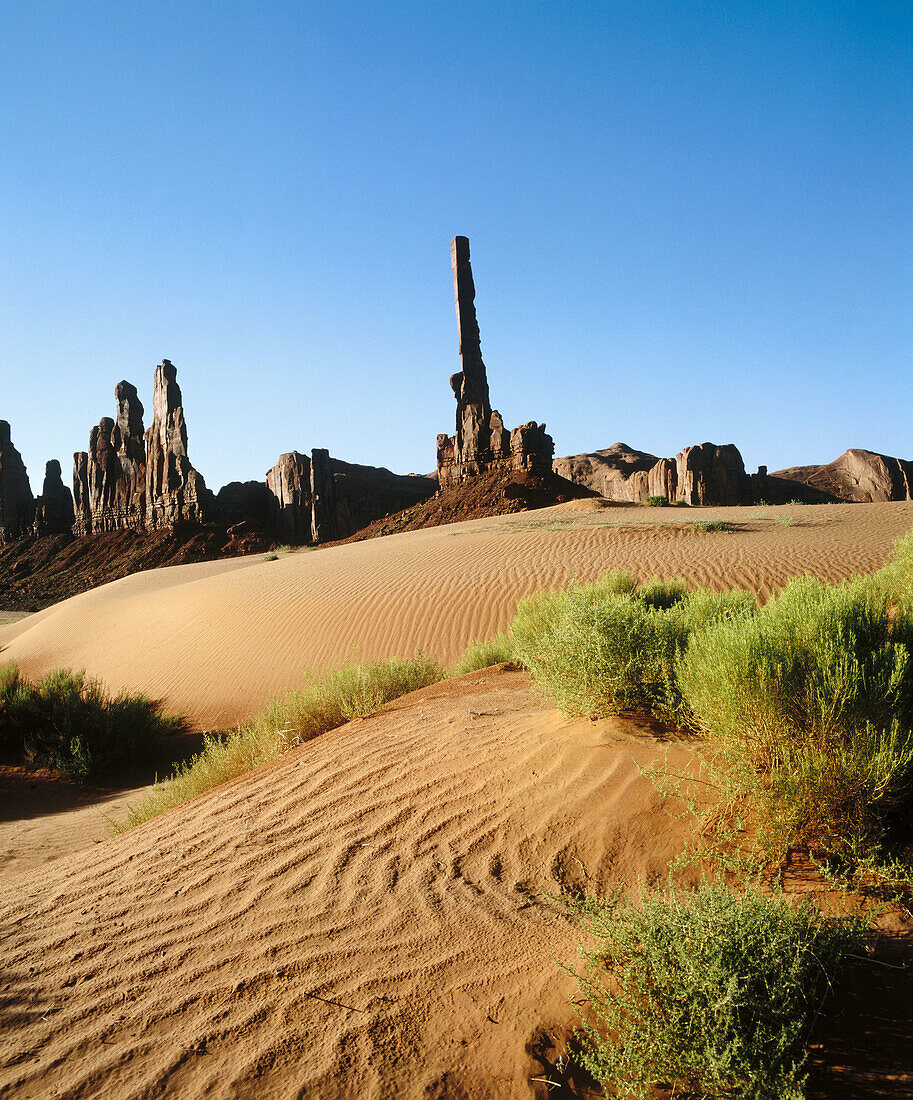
689 220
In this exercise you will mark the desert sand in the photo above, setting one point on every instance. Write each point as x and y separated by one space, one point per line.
365 917
373 914
215 641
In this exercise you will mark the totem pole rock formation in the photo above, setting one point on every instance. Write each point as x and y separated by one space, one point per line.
481 443
175 491
17 505
54 508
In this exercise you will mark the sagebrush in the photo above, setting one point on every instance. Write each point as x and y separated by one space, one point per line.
73 725
709 993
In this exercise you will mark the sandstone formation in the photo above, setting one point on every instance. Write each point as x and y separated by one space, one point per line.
857 475
319 499
175 492
250 501
17 505
481 442
703 474
289 485
710 474
54 508
129 479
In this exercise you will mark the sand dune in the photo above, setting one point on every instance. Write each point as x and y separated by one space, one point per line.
216 640
361 918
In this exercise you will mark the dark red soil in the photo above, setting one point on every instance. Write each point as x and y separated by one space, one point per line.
36 572
490 495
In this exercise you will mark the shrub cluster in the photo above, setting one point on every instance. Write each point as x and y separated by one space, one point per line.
71 724
710 994
609 647
809 698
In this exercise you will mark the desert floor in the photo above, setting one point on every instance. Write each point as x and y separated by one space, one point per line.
374 914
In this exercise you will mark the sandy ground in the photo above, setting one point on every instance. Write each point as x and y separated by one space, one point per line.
217 640
373 915
365 917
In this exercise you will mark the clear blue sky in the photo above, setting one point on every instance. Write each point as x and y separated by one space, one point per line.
689 220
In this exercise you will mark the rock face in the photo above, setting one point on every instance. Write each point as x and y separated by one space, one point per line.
245 500
175 492
17 505
54 508
481 442
319 499
857 475
709 474
704 474
129 479
289 485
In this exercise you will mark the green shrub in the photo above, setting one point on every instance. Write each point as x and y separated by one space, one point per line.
710 994
894 581
328 701
483 654
813 695
74 726
716 525
603 648
657 501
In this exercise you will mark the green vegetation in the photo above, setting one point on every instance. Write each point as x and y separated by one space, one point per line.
323 704
710 994
810 700
72 725
271 557
716 525
479 655
785 521
657 501
608 647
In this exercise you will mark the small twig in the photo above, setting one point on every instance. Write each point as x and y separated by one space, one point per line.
338 1004
878 962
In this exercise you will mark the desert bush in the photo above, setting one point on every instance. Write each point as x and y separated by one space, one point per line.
481 654
71 724
812 696
894 581
710 994
326 702
608 647
715 525
657 501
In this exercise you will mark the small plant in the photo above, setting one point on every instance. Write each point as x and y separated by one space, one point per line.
716 525
785 521
271 557
72 725
479 655
708 994
657 501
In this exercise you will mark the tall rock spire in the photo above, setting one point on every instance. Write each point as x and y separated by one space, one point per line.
481 443
470 386
175 491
